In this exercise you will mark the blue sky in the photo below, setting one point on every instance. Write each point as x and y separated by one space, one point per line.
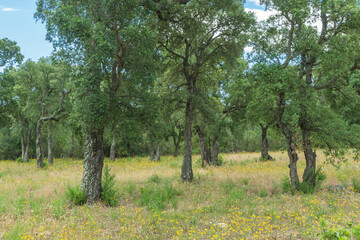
17 23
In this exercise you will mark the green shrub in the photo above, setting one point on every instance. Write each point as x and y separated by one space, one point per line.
109 193
333 234
356 184
263 193
285 185
246 181
308 188
221 161
19 160
76 195
157 197
154 179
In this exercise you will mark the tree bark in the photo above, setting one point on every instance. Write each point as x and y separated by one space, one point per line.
113 148
22 147
265 156
158 152
215 153
186 170
309 174
204 150
177 144
93 165
151 151
39 156
50 158
291 141
27 146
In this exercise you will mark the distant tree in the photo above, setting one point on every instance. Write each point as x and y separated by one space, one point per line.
199 34
43 85
300 63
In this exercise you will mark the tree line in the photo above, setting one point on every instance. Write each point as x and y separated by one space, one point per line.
146 75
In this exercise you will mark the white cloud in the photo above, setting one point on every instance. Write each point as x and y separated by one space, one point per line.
261 15
257 2
9 9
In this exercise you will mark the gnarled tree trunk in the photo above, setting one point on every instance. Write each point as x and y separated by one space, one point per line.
39 156
265 156
186 170
291 141
204 150
93 165
309 175
50 158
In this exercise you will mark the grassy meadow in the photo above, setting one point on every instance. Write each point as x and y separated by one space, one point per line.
243 199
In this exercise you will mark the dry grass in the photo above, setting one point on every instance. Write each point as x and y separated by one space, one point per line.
32 203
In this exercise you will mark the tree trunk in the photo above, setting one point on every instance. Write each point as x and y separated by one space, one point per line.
235 146
204 150
158 152
27 146
186 170
177 144
50 158
22 147
152 151
215 153
71 154
93 165
310 156
291 141
39 156
265 156
113 148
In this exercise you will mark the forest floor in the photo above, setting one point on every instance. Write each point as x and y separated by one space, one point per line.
243 199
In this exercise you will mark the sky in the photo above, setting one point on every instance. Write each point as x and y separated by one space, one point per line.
18 24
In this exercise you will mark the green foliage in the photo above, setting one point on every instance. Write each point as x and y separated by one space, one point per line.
309 188
154 179
263 193
356 183
76 195
285 185
157 197
130 188
109 193
332 233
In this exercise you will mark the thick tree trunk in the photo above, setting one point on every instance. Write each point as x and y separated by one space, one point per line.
291 141
113 148
204 150
265 156
158 152
93 165
215 153
39 156
72 149
186 170
310 156
151 151
50 158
